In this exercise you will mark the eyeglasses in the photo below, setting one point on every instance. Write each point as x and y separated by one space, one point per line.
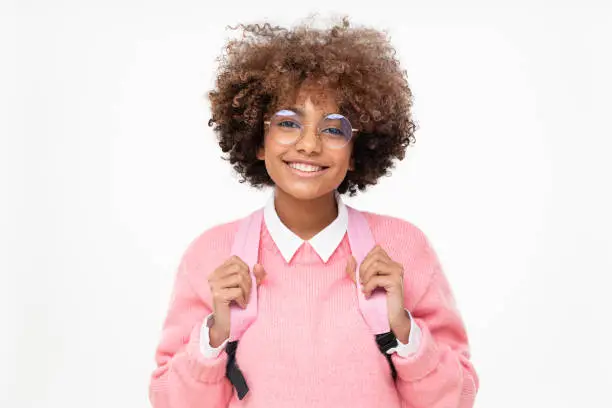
334 130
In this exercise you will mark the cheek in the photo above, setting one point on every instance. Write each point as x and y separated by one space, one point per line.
271 154
267 151
275 153
343 159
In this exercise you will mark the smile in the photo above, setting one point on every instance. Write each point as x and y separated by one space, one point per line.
306 170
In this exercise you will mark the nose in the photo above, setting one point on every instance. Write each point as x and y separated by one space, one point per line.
309 142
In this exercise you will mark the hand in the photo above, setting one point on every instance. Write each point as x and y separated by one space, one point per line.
230 282
378 270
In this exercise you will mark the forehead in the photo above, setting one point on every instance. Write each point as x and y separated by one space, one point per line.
310 100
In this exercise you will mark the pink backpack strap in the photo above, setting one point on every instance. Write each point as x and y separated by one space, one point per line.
374 309
361 240
246 247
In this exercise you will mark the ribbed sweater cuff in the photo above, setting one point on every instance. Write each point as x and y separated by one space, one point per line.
424 361
204 369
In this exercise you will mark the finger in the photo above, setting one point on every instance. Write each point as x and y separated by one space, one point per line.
260 274
377 268
231 280
351 268
247 281
399 269
233 268
380 281
376 253
245 285
234 259
236 281
232 294
223 271
236 262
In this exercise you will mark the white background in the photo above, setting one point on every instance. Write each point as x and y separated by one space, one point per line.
108 171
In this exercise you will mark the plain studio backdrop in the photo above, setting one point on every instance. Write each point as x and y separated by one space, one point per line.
109 170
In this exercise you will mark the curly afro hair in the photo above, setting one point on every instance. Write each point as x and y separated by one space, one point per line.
261 71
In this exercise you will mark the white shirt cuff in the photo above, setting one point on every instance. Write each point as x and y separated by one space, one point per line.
414 341
207 350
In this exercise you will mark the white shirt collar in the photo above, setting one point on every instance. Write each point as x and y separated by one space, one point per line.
324 242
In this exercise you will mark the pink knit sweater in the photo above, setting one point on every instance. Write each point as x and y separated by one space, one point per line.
310 346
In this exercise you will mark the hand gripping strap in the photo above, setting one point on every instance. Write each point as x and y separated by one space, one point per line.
246 247
374 309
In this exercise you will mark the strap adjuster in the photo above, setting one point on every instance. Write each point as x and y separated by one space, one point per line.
385 342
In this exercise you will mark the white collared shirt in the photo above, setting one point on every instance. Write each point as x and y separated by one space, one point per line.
324 243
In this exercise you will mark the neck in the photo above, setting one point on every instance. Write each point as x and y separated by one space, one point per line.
305 218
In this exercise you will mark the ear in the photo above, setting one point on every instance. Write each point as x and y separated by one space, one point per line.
261 152
351 166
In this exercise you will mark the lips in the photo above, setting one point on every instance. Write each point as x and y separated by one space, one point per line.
308 168
305 170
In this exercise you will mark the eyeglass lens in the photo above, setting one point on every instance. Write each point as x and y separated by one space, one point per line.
335 130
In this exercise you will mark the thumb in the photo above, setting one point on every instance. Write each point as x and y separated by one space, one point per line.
260 273
351 267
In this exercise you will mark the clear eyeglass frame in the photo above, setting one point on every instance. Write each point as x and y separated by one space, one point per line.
318 133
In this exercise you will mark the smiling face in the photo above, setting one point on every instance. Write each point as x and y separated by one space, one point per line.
307 169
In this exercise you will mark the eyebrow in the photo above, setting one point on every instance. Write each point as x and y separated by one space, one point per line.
297 110
302 113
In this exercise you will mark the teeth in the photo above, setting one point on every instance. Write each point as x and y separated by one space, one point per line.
305 167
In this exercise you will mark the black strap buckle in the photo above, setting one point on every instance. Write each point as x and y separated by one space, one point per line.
386 341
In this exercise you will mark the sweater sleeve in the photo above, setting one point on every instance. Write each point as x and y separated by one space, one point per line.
184 377
440 373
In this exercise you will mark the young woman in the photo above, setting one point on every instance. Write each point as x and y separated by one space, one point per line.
309 302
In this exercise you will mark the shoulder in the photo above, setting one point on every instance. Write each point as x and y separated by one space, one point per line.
394 231
404 242
209 249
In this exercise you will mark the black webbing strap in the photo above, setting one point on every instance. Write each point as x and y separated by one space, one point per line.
385 342
232 371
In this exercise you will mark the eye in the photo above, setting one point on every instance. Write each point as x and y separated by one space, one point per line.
289 124
333 131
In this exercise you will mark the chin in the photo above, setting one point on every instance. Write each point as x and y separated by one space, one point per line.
303 191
